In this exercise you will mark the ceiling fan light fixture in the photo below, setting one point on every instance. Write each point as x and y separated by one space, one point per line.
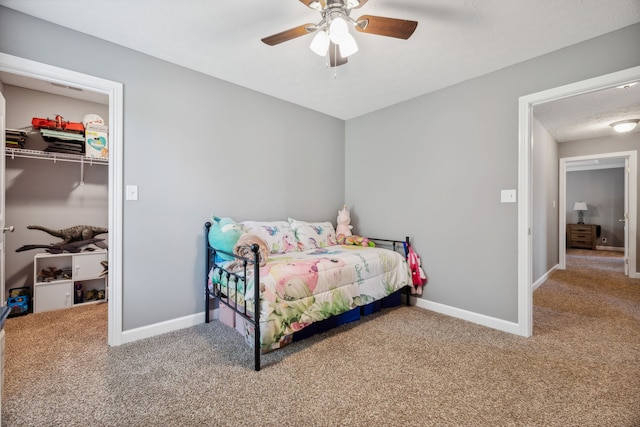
348 46
333 36
338 30
626 85
625 125
320 43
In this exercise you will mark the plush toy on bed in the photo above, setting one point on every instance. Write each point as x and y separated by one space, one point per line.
343 231
243 248
355 240
223 235
344 222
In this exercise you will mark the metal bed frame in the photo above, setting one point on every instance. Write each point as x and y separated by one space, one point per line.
238 276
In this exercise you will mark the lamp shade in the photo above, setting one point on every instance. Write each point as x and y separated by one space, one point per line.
580 206
320 43
338 30
348 46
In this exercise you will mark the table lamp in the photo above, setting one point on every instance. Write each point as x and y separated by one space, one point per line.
580 207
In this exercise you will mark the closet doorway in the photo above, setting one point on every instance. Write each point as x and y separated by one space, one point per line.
114 91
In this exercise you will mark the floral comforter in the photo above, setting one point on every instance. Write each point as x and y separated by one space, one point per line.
299 288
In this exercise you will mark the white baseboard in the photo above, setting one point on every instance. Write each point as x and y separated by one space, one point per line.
164 327
609 248
480 319
544 278
195 319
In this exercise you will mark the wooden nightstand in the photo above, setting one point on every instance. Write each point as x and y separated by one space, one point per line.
581 236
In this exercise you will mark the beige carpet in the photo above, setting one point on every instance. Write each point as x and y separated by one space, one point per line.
405 367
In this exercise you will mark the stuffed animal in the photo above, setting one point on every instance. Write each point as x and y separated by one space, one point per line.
223 235
243 249
344 220
418 276
355 240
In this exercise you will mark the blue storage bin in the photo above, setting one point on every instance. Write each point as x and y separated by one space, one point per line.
349 316
327 324
306 332
340 319
370 308
392 300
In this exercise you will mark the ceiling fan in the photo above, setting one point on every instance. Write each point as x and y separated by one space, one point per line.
333 35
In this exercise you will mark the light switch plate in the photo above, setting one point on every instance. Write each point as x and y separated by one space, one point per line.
132 192
508 196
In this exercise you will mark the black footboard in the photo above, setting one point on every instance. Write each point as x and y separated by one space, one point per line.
232 280
396 245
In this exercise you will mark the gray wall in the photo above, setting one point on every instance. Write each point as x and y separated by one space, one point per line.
41 192
603 192
195 146
544 201
441 160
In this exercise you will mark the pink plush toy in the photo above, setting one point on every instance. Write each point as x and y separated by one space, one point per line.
418 276
344 220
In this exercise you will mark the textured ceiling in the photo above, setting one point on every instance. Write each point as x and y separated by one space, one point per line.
589 115
455 40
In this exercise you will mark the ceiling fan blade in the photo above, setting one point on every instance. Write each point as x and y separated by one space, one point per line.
360 4
335 59
314 4
390 27
287 35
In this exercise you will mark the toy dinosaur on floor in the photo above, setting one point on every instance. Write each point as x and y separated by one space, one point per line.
58 248
72 234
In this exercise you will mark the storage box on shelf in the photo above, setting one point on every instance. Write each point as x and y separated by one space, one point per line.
97 141
56 277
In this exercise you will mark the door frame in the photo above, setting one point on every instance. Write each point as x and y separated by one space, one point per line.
630 196
525 146
2 207
114 90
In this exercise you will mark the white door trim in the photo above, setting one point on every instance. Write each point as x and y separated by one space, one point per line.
114 90
630 202
526 104
3 115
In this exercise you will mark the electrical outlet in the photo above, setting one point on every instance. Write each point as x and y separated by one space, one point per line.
604 240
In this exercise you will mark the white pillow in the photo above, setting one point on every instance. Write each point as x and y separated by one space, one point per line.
277 235
312 235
